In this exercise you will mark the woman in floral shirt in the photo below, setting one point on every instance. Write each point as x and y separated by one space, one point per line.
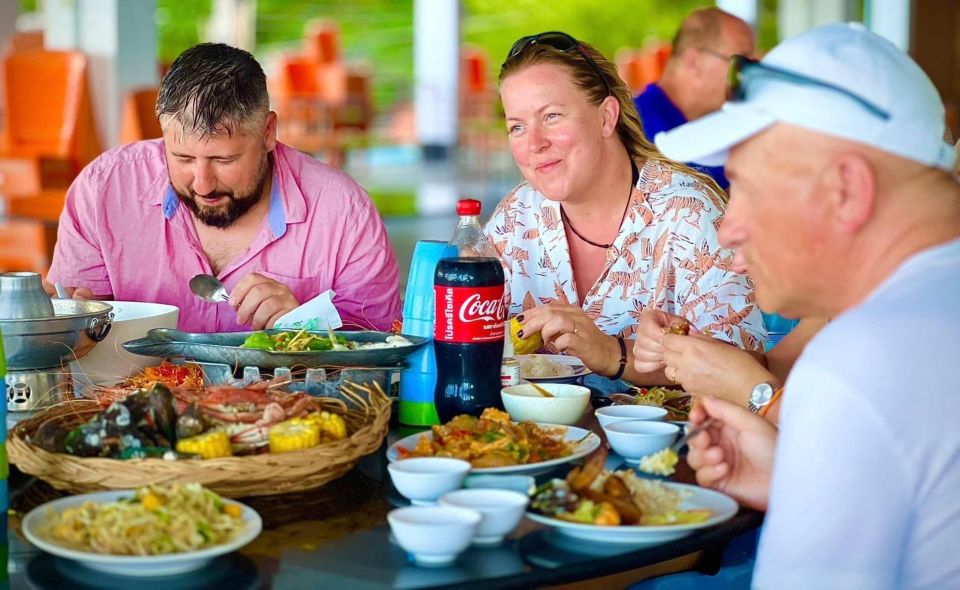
605 226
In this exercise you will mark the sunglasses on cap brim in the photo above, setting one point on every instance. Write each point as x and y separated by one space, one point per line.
742 68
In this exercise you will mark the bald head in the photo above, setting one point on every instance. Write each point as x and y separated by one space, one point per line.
714 29
696 74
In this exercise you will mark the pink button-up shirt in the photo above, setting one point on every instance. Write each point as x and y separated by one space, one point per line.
124 234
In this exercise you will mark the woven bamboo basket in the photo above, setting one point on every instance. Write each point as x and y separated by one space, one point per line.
366 413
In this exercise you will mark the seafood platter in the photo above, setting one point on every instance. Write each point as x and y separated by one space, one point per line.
271 349
169 423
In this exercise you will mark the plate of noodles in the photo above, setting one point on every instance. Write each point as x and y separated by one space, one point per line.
551 368
156 530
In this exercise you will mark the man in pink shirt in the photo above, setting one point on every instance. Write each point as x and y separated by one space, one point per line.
220 195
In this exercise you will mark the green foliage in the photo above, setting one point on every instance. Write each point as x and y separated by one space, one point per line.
380 32
609 25
180 25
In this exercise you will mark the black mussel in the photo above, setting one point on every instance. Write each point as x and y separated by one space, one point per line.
50 436
191 422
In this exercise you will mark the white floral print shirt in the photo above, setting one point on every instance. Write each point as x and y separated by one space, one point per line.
666 256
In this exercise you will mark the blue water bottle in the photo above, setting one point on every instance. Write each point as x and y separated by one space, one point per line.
417 382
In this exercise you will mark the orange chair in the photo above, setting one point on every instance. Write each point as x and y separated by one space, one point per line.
26 245
140 116
48 135
48 132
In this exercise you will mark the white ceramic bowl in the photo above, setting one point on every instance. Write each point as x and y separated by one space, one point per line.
501 511
635 439
435 535
108 360
567 405
424 479
610 414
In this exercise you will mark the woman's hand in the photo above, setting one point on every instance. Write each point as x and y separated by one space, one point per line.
568 329
707 366
735 454
648 347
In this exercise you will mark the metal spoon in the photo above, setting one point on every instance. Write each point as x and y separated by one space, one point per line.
209 288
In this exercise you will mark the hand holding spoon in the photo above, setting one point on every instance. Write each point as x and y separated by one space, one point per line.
209 288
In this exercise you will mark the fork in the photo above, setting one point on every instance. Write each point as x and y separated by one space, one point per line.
692 433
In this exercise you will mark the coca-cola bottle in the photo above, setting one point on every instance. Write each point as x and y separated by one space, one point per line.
468 332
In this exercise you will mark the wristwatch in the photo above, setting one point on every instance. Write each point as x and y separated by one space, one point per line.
760 397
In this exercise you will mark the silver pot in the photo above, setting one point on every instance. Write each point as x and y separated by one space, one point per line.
50 342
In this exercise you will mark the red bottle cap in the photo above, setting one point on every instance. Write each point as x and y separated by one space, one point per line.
468 207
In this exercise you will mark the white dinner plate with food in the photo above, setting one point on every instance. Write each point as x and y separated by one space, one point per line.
584 442
722 507
551 368
35 523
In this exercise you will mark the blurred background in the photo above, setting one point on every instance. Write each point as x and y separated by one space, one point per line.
400 93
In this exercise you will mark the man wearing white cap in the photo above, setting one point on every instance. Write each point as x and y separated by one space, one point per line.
843 205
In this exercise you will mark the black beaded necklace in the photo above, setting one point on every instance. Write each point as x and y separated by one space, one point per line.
635 176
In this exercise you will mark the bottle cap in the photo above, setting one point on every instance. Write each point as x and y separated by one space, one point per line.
468 207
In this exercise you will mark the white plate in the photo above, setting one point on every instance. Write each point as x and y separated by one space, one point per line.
724 507
134 565
579 369
588 443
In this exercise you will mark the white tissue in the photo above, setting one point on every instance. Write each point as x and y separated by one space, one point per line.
316 314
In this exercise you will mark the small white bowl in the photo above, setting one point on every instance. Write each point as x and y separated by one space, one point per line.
567 405
610 414
501 511
435 535
635 439
424 479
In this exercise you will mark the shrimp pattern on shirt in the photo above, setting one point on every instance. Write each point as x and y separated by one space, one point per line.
666 256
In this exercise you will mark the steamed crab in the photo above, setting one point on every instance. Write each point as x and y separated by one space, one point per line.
247 412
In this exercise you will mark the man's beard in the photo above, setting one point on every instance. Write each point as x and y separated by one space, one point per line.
223 216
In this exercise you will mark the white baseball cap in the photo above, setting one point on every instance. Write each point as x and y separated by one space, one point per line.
838 79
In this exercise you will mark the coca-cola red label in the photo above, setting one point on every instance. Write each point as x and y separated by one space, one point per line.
469 314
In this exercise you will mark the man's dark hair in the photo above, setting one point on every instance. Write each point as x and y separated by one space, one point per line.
213 88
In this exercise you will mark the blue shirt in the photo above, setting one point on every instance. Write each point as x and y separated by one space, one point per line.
658 113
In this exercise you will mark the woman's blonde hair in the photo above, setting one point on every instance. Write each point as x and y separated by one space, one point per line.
629 127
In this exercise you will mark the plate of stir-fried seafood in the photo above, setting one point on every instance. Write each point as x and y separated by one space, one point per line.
593 504
493 443
152 531
270 349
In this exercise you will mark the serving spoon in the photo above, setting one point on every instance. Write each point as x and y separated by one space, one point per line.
209 288
541 390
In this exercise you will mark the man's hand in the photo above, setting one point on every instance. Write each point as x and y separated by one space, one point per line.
735 454
570 330
707 366
261 301
72 292
648 347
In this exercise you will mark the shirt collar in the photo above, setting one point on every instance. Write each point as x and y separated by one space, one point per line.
277 214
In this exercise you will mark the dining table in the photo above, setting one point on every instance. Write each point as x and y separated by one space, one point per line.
337 536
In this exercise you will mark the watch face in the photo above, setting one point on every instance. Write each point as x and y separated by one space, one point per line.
762 394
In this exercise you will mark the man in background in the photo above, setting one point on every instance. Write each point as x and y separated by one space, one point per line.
694 81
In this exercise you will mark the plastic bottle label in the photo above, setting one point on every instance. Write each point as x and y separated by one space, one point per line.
469 314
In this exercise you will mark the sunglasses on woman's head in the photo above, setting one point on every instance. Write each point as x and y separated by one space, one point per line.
742 67
561 42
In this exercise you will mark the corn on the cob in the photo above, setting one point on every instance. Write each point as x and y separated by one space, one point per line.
331 425
210 445
294 435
